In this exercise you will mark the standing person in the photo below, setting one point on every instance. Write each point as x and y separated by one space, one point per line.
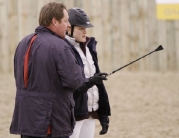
91 99
46 74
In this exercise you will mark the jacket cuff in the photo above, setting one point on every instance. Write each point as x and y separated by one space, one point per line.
104 120
88 83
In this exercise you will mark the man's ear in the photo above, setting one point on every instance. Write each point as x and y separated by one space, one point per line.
54 21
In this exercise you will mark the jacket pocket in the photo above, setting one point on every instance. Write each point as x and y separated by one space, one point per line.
35 114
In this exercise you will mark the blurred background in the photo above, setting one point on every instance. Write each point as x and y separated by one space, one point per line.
145 95
124 29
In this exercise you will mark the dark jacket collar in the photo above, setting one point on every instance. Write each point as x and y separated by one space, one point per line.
43 29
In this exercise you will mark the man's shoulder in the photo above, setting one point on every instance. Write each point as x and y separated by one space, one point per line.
54 40
55 43
26 40
27 37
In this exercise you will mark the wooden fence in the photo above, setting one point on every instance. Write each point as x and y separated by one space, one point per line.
125 30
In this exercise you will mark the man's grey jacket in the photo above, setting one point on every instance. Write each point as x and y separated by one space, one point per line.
53 75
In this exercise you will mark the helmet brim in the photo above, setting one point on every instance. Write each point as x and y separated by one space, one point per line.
86 25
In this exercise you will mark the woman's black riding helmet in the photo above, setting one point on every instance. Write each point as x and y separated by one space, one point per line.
77 17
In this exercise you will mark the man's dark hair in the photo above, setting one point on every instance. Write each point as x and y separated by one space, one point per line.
50 11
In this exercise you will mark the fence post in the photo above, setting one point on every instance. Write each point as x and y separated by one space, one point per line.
4 43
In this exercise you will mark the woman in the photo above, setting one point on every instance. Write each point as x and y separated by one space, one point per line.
91 100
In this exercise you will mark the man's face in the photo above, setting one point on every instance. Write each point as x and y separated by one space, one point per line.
61 27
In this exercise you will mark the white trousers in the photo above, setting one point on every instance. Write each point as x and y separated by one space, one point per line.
84 129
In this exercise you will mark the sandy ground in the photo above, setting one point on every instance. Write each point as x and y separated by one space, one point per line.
143 105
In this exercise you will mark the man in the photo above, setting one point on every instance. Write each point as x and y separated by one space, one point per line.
46 74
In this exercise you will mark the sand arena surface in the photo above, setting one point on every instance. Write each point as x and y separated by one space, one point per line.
143 105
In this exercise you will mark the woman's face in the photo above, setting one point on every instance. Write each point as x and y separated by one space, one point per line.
79 34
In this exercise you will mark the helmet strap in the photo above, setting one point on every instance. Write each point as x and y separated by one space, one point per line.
72 30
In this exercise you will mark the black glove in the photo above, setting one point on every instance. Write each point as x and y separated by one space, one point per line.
104 121
98 78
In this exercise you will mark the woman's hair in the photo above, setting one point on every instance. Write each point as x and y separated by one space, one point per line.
50 11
